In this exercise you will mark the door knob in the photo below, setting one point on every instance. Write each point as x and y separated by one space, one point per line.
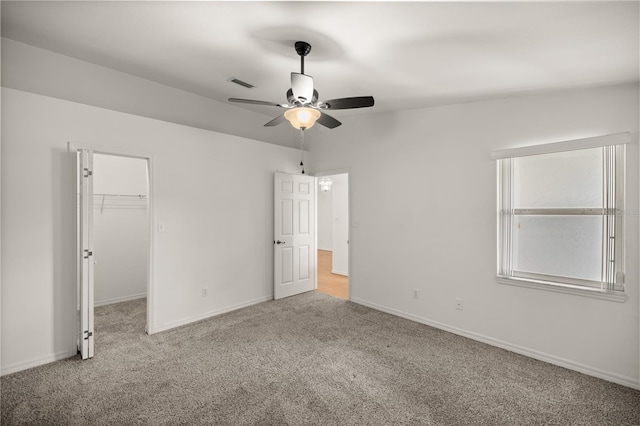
279 242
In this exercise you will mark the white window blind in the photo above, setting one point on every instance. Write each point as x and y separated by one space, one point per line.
561 215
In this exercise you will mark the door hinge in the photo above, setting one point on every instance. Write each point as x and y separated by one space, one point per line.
87 253
88 172
88 334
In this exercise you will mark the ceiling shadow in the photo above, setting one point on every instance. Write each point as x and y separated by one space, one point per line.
281 40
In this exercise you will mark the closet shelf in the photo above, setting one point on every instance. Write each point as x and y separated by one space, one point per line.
119 201
141 196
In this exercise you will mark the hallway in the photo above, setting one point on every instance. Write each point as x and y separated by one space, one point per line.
328 283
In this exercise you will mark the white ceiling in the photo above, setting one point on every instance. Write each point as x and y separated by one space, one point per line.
406 55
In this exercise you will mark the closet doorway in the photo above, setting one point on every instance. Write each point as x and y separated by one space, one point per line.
333 235
113 246
120 229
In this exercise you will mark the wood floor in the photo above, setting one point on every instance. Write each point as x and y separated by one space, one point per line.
328 283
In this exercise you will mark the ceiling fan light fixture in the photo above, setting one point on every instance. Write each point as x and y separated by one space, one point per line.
302 117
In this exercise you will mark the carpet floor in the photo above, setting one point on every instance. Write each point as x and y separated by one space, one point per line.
308 359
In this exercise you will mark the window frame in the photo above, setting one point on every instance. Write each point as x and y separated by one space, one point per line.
611 285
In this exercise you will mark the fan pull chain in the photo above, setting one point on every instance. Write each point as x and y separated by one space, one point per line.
302 149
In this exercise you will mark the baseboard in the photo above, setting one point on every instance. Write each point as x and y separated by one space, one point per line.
531 353
120 299
35 362
209 314
335 271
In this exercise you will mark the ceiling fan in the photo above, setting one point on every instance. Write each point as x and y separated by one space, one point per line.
303 107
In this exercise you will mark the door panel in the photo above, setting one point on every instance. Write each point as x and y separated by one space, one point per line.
287 217
287 265
294 234
303 256
303 217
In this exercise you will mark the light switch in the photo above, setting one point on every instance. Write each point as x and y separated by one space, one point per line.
161 226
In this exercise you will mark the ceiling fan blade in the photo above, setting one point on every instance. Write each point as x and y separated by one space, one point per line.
328 121
348 103
251 101
302 87
279 119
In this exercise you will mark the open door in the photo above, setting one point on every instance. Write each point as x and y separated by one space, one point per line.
294 235
85 252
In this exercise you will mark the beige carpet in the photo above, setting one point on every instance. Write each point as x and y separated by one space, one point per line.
309 359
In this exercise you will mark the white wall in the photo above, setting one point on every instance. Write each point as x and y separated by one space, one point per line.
423 190
211 190
340 203
121 228
325 220
114 174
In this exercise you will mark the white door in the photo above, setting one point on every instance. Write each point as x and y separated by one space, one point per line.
85 253
294 235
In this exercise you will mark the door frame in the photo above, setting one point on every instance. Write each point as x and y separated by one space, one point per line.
331 172
72 148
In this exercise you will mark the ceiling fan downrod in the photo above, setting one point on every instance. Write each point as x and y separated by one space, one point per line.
302 48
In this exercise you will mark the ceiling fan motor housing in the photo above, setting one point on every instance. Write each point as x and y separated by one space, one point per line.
293 100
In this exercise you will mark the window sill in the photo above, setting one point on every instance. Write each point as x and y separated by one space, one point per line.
563 288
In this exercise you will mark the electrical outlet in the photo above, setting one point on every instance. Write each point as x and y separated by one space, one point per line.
459 304
205 292
416 293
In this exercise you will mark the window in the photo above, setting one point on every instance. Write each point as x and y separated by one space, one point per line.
560 217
